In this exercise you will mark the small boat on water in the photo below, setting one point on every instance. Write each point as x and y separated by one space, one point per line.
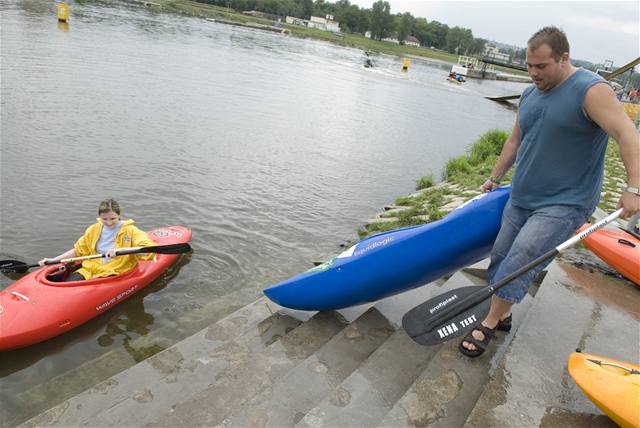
36 307
392 262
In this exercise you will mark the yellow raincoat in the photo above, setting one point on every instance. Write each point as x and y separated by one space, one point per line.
128 236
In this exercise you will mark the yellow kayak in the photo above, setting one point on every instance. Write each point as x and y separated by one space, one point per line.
613 386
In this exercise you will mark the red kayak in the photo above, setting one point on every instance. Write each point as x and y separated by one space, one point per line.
34 308
619 249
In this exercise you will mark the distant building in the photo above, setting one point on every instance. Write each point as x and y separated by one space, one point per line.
412 41
494 53
391 39
325 24
296 21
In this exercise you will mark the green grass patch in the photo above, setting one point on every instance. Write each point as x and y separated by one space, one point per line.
424 182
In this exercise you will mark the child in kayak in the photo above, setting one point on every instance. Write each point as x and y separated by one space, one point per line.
103 237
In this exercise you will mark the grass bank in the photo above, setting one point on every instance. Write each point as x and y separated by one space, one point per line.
461 180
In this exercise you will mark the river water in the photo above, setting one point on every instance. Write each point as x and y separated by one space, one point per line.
273 149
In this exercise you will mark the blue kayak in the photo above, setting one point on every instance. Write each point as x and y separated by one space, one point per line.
392 262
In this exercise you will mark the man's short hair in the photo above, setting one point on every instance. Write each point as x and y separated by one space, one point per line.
552 36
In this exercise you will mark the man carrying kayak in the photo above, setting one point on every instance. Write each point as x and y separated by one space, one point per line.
104 237
558 145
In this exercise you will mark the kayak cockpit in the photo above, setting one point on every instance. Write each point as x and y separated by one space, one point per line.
55 276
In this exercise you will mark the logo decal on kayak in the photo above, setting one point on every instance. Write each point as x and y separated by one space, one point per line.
324 266
480 196
117 298
373 245
163 233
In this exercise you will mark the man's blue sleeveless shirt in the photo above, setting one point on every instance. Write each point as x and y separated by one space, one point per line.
560 160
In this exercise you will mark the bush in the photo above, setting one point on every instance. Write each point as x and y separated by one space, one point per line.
488 145
424 182
457 166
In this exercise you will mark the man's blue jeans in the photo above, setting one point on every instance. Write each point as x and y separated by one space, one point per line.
525 235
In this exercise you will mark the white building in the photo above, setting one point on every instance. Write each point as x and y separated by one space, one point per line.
391 39
326 24
412 41
494 53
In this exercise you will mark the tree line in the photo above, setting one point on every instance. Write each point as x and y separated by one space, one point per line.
378 21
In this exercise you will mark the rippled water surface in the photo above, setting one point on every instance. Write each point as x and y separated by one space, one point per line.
273 149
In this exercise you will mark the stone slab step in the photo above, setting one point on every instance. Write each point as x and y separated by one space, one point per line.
372 390
248 374
573 309
288 400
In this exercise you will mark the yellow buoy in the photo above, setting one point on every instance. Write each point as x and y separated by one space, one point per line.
63 12
405 64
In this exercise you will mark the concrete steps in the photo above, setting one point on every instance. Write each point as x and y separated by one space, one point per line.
183 369
250 374
261 366
371 391
285 402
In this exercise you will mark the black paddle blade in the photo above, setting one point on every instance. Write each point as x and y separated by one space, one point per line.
429 324
171 249
159 249
13 266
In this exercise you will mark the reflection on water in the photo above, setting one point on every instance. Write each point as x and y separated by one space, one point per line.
134 322
272 149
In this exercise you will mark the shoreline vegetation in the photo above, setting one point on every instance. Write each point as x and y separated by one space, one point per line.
461 180
357 41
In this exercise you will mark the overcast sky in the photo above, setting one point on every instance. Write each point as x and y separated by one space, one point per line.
597 30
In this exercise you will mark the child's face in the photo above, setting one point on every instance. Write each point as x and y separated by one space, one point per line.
109 219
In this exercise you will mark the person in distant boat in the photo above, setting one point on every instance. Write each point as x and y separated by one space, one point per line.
368 62
103 237
558 145
457 77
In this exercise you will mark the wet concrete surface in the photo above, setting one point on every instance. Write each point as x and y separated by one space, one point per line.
574 308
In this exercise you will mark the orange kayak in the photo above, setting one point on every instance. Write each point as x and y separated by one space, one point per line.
619 249
613 386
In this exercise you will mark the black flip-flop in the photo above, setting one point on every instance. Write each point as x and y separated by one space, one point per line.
481 345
